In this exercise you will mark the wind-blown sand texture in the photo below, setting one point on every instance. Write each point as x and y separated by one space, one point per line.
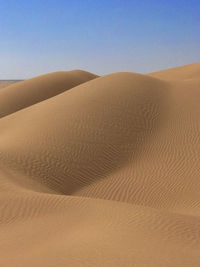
101 171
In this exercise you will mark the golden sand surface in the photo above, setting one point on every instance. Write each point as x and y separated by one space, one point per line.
101 171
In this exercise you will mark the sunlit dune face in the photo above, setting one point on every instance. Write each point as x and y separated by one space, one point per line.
101 171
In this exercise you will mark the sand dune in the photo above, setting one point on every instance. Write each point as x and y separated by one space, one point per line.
21 95
190 71
4 83
104 174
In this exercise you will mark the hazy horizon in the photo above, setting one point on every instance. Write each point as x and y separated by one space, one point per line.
38 37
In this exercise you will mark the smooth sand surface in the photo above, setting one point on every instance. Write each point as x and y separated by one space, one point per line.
104 174
4 83
26 93
191 71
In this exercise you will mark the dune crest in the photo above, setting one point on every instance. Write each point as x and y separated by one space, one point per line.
104 174
26 93
5 83
191 71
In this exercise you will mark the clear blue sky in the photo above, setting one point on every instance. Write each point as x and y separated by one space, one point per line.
101 36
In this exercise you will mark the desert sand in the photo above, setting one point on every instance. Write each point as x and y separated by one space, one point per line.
101 171
26 93
4 83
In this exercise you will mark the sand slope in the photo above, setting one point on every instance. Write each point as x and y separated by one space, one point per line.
21 95
104 174
4 83
190 71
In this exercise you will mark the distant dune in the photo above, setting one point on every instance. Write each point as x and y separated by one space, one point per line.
190 71
26 93
104 174
4 83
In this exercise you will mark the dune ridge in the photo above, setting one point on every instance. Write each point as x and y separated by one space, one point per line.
26 93
104 174
190 71
4 83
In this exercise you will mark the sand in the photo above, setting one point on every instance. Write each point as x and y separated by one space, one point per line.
26 93
4 83
101 171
